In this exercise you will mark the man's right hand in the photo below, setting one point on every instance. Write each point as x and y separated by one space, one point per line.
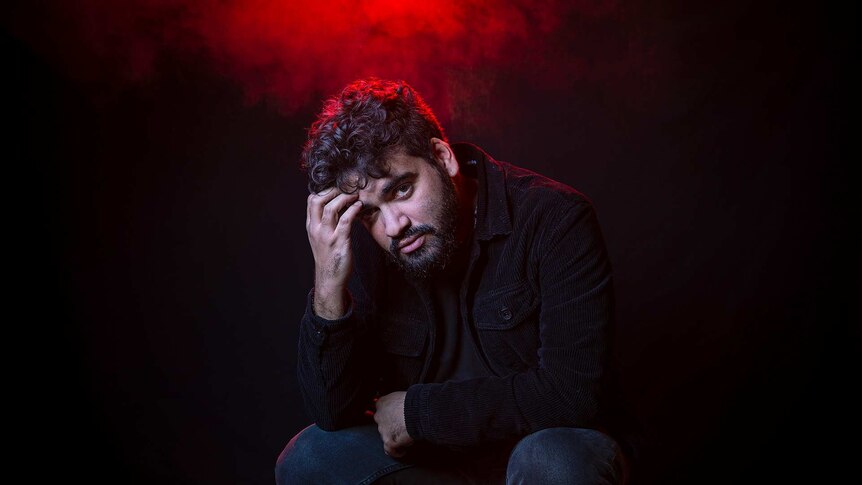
328 220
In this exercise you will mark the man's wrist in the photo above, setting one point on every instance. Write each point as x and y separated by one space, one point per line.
330 303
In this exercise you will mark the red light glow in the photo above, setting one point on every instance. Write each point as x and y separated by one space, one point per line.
293 52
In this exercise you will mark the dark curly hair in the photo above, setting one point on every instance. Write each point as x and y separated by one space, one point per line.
358 129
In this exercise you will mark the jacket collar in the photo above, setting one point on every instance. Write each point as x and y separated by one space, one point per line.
492 201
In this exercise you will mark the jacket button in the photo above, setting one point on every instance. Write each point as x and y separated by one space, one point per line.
506 313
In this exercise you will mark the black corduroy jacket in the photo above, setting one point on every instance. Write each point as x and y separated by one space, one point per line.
537 297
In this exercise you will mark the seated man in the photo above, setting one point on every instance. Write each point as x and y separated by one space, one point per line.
463 334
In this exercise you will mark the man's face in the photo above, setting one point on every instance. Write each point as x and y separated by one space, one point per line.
412 214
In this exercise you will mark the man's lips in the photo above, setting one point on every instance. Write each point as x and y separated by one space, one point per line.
409 245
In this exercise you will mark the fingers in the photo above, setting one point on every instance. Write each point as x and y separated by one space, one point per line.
393 451
317 201
390 443
393 445
333 210
327 207
349 215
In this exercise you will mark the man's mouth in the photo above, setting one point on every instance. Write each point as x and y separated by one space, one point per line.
410 244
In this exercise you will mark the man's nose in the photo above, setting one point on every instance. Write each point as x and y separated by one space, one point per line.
395 222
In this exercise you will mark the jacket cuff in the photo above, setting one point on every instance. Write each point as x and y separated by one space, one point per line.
416 411
321 329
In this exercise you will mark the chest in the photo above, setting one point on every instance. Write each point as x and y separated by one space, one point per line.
499 303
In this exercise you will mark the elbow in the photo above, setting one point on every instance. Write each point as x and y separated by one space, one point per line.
582 405
578 406
327 424
330 420
335 423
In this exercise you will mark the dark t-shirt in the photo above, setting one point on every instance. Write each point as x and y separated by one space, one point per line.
455 355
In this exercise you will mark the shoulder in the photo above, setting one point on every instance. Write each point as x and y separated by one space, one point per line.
516 180
513 197
531 193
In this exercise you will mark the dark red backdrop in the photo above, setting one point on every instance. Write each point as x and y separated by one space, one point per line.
160 261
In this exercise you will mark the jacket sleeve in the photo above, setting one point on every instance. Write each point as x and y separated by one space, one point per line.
330 361
564 389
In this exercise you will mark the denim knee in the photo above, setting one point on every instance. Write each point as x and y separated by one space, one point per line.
565 456
351 455
296 462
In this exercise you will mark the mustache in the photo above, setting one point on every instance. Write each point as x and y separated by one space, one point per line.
410 232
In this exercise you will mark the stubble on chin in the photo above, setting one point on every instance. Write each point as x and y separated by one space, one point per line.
424 261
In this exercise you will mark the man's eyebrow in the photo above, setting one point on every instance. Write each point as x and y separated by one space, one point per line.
389 187
392 184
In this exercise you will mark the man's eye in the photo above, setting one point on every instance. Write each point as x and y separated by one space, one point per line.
403 190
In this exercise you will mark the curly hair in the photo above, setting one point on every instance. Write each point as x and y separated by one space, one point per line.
358 129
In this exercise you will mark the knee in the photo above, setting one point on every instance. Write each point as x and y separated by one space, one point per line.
349 455
298 461
565 456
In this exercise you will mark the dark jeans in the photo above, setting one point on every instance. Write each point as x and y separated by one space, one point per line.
355 456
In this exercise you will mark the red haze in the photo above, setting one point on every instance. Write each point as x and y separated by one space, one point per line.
294 52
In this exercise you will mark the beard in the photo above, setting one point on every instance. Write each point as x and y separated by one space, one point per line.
440 243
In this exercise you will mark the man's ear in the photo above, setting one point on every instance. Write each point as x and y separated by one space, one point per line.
445 157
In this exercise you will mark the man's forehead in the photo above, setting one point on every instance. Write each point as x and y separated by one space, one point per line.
365 183
393 168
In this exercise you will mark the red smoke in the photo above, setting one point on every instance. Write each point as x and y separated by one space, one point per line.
294 52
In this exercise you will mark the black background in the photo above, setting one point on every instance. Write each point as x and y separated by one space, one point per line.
160 265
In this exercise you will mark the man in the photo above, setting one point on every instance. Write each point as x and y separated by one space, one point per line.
460 333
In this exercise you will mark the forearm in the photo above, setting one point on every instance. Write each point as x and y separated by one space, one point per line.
332 365
475 411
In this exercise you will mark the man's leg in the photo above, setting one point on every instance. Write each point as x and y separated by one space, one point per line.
349 456
566 456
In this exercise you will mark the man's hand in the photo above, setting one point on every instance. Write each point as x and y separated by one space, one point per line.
330 214
390 424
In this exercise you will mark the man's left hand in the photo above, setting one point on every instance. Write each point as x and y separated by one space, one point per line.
389 417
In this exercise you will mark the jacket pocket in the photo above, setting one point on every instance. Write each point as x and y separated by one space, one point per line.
507 319
506 307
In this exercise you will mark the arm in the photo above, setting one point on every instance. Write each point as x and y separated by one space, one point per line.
331 355
564 388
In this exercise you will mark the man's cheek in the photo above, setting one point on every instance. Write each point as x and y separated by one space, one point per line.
377 235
